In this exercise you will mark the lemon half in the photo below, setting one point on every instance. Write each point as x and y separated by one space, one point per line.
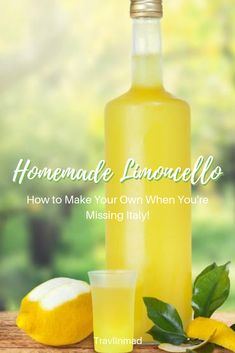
57 312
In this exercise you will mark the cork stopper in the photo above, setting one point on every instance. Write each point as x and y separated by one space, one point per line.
146 8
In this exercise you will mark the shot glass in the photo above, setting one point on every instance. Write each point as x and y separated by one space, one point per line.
113 295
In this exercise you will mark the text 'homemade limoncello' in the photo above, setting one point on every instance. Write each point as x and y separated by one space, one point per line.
153 127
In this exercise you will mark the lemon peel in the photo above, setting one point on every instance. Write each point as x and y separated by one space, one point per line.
57 312
203 328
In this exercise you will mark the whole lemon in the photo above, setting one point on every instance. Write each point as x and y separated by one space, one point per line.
57 312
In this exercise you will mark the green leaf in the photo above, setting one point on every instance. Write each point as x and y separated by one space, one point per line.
209 348
191 345
210 290
233 327
168 325
206 270
164 336
163 315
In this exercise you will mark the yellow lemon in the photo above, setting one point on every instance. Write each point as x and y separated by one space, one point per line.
203 328
57 312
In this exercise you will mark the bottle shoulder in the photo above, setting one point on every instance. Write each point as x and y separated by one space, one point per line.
143 96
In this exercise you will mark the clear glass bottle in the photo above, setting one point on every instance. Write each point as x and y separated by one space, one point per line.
153 127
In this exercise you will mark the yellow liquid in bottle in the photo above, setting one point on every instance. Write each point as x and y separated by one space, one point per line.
153 127
113 319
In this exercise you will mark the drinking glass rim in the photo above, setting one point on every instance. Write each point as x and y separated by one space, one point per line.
112 272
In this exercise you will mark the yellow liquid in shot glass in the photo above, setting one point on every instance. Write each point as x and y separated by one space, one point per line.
113 319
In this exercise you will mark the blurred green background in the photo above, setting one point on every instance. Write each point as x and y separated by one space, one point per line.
60 62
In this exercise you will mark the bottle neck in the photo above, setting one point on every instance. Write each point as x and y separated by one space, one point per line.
146 57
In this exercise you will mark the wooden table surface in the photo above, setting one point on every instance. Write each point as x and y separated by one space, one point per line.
12 340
